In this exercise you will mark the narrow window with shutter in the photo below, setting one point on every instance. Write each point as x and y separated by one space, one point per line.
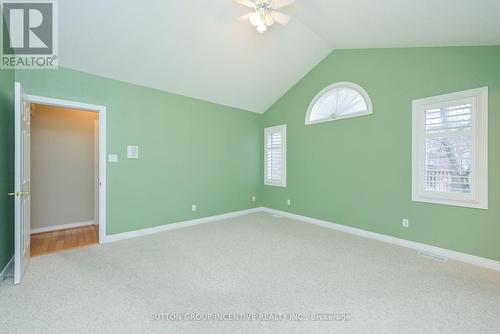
450 149
275 156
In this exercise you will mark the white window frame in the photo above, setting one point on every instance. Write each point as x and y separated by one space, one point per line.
282 182
478 198
343 84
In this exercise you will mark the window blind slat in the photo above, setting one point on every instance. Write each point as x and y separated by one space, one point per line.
448 165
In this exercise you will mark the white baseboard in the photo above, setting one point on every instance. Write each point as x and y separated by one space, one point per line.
175 226
6 268
61 227
450 254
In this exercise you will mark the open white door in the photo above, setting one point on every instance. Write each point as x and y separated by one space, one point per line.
22 183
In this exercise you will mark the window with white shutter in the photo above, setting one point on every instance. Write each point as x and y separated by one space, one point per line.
450 153
275 156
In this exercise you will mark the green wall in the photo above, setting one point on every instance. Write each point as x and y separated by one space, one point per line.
6 166
191 152
357 171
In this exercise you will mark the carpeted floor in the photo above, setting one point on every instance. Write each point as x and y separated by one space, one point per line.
256 266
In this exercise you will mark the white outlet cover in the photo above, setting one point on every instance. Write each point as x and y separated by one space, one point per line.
113 157
405 223
288 202
253 198
193 207
133 152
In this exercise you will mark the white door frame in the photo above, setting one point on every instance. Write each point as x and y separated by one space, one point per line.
102 148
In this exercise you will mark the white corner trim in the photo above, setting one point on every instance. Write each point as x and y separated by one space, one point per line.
6 268
61 227
175 226
443 252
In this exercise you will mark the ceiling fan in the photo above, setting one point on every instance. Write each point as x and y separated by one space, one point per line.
265 14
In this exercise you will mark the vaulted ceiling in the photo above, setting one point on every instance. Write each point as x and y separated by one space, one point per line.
199 49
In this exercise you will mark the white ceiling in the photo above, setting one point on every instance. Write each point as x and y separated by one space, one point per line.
198 48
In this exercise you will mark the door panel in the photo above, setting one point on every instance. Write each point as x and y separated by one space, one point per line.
22 182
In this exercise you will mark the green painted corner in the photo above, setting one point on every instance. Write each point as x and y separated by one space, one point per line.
357 171
6 166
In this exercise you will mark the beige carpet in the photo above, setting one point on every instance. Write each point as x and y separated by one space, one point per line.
258 267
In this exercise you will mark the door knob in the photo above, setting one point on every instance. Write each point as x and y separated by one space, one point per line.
19 193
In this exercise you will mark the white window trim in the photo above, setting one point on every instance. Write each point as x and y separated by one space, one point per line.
282 182
346 84
479 197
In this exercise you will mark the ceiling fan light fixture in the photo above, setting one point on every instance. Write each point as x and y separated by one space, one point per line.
269 18
264 14
255 18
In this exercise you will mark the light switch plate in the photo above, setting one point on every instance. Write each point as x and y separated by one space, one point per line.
133 152
113 157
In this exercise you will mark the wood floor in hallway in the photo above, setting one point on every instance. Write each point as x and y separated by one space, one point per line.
60 240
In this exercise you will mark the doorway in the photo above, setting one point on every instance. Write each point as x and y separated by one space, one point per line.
64 178
101 149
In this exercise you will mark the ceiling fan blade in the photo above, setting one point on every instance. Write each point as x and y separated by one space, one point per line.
247 3
281 18
245 17
276 4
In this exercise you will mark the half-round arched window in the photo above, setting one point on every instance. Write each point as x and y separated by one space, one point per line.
337 101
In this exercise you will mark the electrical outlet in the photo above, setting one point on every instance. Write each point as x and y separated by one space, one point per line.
193 207
288 202
253 199
405 223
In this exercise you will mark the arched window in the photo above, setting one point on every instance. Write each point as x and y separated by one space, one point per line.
337 101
